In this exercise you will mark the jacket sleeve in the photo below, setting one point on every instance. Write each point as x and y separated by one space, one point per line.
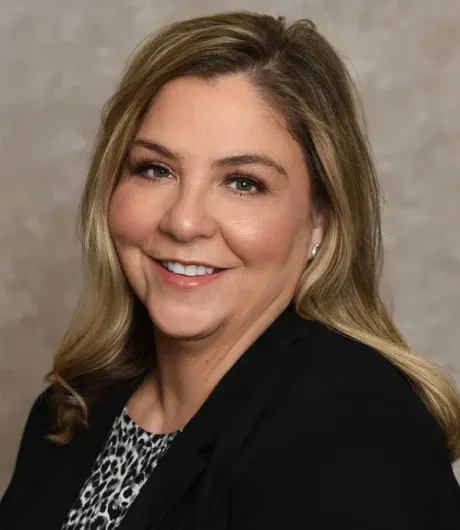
357 461
33 438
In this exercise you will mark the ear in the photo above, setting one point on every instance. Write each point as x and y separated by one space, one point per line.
318 227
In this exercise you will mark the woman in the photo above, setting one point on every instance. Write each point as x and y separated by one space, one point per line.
231 363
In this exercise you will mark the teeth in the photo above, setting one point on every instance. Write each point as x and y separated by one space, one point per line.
200 270
178 268
189 270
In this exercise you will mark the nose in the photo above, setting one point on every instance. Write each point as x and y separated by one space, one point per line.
187 216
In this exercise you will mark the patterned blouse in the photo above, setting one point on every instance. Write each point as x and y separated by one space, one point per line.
121 469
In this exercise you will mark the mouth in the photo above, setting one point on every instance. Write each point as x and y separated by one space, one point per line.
186 276
190 270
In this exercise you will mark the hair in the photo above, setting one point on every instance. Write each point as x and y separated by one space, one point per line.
297 71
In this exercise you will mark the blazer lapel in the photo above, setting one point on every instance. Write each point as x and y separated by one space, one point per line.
234 406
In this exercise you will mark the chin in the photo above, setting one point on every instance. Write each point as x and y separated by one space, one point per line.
185 323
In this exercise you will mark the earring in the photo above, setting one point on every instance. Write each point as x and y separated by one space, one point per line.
314 250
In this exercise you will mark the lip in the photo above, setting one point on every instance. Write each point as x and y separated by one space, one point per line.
182 282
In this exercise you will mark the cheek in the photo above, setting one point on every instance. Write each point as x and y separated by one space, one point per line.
271 238
130 227
129 220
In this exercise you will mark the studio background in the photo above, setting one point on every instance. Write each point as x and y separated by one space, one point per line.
60 60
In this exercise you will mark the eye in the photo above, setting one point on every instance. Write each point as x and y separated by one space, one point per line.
245 185
151 171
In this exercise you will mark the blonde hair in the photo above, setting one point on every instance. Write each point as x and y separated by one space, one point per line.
297 71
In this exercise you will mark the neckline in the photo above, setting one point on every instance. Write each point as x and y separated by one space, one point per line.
127 421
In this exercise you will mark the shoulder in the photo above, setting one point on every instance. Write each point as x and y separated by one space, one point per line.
328 350
349 433
38 424
34 441
32 449
327 364
40 416
338 392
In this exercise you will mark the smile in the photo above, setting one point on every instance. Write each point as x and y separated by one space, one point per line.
188 270
186 277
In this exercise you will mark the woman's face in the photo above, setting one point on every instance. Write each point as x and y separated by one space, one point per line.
210 218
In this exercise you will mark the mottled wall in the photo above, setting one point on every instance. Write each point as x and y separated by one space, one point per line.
59 60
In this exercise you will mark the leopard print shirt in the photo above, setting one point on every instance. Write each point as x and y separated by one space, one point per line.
121 469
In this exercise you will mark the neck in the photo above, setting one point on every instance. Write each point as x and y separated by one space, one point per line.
187 371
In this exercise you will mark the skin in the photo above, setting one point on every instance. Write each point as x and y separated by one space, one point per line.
192 210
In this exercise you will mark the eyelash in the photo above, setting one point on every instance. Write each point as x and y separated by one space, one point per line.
142 167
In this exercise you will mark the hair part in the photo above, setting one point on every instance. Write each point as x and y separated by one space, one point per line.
297 72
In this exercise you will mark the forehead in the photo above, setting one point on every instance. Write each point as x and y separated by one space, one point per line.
217 118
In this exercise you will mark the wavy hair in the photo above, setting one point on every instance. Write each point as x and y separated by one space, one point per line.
299 73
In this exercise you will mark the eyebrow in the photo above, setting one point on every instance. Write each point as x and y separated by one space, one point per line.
233 160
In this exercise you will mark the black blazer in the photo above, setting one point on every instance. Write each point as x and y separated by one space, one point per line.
309 429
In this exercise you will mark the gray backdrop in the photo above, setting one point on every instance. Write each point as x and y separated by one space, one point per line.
59 60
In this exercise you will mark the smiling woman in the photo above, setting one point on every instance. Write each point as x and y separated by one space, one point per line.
231 363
